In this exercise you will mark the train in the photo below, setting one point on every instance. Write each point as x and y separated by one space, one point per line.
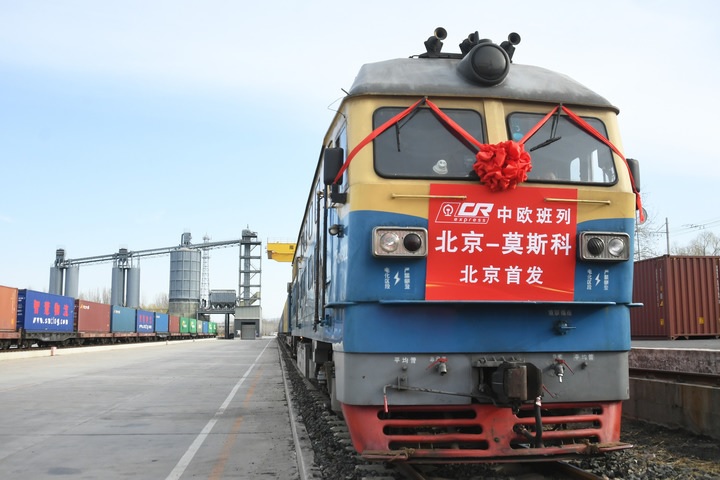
463 273
29 317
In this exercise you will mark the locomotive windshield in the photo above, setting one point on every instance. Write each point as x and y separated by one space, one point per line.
561 151
421 146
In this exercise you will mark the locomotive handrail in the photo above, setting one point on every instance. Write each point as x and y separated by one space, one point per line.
578 200
452 197
339 304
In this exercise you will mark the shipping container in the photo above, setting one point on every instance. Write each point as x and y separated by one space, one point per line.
212 328
174 323
162 322
8 309
45 312
680 297
184 325
92 317
205 327
193 326
122 319
144 321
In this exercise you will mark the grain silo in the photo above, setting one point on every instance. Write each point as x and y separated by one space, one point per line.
117 287
185 268
72 281
132 293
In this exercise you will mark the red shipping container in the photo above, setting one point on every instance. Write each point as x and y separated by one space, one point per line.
92 317
8 309
680 297
174 324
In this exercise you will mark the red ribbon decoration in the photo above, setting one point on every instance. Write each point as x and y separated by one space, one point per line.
502 165
589 128
374 134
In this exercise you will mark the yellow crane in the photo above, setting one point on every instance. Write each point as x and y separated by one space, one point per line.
280 251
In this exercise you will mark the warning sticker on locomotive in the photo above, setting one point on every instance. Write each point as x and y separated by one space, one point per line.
503 246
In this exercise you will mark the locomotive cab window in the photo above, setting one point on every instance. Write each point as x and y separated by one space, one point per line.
421 146
562 151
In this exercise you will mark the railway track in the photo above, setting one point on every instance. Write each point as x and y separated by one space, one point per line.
555 470
303 452
564 470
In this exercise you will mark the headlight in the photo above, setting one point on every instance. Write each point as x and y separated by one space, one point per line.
486 64
604 246
399 242
616 247
389 242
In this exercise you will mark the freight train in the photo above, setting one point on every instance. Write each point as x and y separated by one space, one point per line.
28 317
463 272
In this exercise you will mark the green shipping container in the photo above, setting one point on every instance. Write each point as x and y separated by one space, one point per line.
193 325
185 324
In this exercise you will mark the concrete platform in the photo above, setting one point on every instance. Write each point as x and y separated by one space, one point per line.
688 356
207 409
691 344
673 404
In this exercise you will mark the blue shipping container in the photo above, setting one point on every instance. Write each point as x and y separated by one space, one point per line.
45 312
206 327
162 322
122 319
145 322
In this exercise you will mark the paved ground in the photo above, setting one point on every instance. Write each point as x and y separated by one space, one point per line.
212 409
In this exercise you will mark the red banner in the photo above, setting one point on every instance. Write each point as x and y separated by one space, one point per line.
501 246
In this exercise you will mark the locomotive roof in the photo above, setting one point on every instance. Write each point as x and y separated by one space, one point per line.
440 77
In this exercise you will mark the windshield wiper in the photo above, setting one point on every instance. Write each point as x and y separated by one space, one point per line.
398 127
553 130
545 143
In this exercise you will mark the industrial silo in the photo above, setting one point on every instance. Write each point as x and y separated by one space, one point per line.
72 281
184 298
56 273
117 287
132 295
56 279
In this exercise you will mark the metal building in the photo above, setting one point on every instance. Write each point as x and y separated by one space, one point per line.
248 312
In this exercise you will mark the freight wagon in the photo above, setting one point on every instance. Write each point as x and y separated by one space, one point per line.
679 295
29 317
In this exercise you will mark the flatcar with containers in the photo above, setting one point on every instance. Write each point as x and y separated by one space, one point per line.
463 272
32 318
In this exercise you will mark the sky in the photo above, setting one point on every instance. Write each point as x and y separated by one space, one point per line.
124 124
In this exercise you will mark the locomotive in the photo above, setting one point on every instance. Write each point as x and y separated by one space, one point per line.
463 271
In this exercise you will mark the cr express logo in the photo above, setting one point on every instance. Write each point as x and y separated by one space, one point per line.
464 212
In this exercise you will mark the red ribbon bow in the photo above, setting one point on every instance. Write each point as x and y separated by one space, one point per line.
503 165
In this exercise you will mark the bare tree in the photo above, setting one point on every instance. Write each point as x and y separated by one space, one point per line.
649 237
706 243
269 326
161 303
99 295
